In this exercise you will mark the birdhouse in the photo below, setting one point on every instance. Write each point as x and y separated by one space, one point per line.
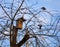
19 23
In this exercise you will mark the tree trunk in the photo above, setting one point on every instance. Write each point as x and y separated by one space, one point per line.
26 37
13 38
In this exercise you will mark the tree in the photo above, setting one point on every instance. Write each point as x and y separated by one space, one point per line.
31 31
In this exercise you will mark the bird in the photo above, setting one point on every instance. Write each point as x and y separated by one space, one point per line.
43 8
40 26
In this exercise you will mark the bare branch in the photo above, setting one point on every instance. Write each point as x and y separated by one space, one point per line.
18 9
5 11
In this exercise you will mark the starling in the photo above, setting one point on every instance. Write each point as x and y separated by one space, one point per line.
40 26
43 8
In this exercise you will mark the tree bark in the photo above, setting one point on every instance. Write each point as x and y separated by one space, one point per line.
13 37
26 37
27 44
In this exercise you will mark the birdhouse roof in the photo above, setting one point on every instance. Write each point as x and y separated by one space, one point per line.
21 19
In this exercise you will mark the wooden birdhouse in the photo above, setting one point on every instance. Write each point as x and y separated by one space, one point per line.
19 23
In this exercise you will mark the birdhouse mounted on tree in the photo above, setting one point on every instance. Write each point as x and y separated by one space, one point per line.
19 23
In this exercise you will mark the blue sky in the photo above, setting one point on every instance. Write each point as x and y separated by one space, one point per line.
50 4
37 4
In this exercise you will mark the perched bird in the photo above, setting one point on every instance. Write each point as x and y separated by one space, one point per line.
40 26
43 8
